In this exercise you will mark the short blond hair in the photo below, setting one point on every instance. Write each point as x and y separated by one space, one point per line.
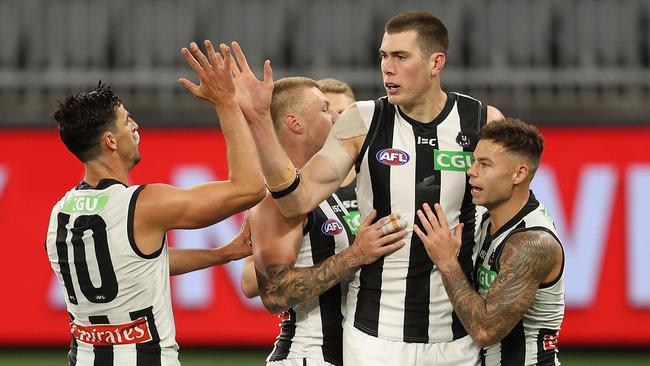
287 96
336 87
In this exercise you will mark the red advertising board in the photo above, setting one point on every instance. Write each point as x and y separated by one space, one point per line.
593 181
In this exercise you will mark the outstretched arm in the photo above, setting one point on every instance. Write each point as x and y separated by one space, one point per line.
276 244
319 177
162 207
188 260
527 260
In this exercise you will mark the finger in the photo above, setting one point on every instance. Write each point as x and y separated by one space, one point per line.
430 215
368 220
392 248
268 74
190 86
241 58
227 56
390 238
441 216
458 232
213 56
194 64
426 224
419 233
199 56
393 226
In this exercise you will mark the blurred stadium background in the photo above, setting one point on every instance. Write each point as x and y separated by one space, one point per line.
579 69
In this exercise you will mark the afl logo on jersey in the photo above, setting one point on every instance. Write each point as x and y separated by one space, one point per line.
392 157
331 227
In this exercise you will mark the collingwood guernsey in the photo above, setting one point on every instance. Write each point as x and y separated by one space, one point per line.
533 341
120 309
314 328
404 163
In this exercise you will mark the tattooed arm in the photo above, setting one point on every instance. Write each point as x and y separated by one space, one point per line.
529 258
276 245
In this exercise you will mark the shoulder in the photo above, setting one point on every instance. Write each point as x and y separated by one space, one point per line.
536 249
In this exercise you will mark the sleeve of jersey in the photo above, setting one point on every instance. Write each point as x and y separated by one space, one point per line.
349 125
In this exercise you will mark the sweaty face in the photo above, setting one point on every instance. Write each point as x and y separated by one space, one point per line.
127 137
407 76
318 118
338 101
492 174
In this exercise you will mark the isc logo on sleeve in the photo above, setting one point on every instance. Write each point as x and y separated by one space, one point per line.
458 161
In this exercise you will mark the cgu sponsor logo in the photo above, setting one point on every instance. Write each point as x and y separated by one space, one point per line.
485 277
84 204
331 227
457 161
107 335
392 157
353 220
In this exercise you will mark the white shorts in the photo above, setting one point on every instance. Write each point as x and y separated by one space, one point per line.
299 362
361 349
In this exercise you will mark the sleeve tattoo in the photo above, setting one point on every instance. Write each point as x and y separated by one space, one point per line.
527 259
283 286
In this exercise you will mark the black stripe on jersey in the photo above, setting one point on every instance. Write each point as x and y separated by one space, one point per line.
129 227
427 190
513 346
372 132
323 247
148 353
471 120
366 315
545 357
72 354
62 254
283 343
103 354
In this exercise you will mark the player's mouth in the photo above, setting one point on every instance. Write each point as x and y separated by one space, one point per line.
475 189
391 87
136 137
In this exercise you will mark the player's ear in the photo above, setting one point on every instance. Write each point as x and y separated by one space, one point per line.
109 140
437 61
293 124
522 173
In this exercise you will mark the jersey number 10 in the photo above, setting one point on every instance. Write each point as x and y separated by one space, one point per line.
97 226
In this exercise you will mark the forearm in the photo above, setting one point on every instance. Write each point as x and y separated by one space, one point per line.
273 158
189 260
469 305
283 287
243 162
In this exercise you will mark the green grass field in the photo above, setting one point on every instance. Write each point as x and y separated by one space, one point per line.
249 357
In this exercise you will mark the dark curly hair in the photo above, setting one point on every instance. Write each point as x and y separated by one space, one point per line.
516 136
84 117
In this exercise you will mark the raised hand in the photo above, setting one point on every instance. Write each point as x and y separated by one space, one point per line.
441 243
253 95
381 238
241 245
216 84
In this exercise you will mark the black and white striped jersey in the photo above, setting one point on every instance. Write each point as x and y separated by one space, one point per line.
117 297
404 163
314 328
533 341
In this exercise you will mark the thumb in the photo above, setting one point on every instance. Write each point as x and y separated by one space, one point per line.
458 232
268 73
190 86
